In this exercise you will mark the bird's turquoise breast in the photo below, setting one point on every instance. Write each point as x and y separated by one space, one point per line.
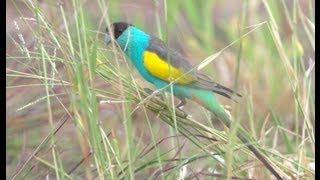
134 42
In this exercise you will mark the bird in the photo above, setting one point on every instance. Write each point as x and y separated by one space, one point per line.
161 65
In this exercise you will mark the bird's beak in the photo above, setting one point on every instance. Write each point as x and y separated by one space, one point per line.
107 38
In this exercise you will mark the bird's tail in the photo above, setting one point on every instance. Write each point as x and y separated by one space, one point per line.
208 100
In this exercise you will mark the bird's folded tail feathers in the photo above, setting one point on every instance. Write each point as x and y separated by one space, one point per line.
204 82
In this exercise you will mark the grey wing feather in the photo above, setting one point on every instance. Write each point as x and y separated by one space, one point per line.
157 46
204 82
178 61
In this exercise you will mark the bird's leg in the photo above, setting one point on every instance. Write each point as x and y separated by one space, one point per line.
150 92
147 90
182 102
179 106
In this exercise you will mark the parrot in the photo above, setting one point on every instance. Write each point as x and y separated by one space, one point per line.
161 65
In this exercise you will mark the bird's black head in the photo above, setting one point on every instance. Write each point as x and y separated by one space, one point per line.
117 28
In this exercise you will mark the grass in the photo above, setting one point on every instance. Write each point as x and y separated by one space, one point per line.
76 107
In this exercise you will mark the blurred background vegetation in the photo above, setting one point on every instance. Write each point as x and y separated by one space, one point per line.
62 79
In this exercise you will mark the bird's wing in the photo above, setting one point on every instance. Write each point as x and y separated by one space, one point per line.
169 65
204 82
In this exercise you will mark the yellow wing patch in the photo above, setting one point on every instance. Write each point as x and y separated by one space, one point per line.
162 70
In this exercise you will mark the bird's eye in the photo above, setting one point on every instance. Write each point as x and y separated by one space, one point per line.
120 31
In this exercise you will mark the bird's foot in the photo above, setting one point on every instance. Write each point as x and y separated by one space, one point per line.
182 103
150 92
180 106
